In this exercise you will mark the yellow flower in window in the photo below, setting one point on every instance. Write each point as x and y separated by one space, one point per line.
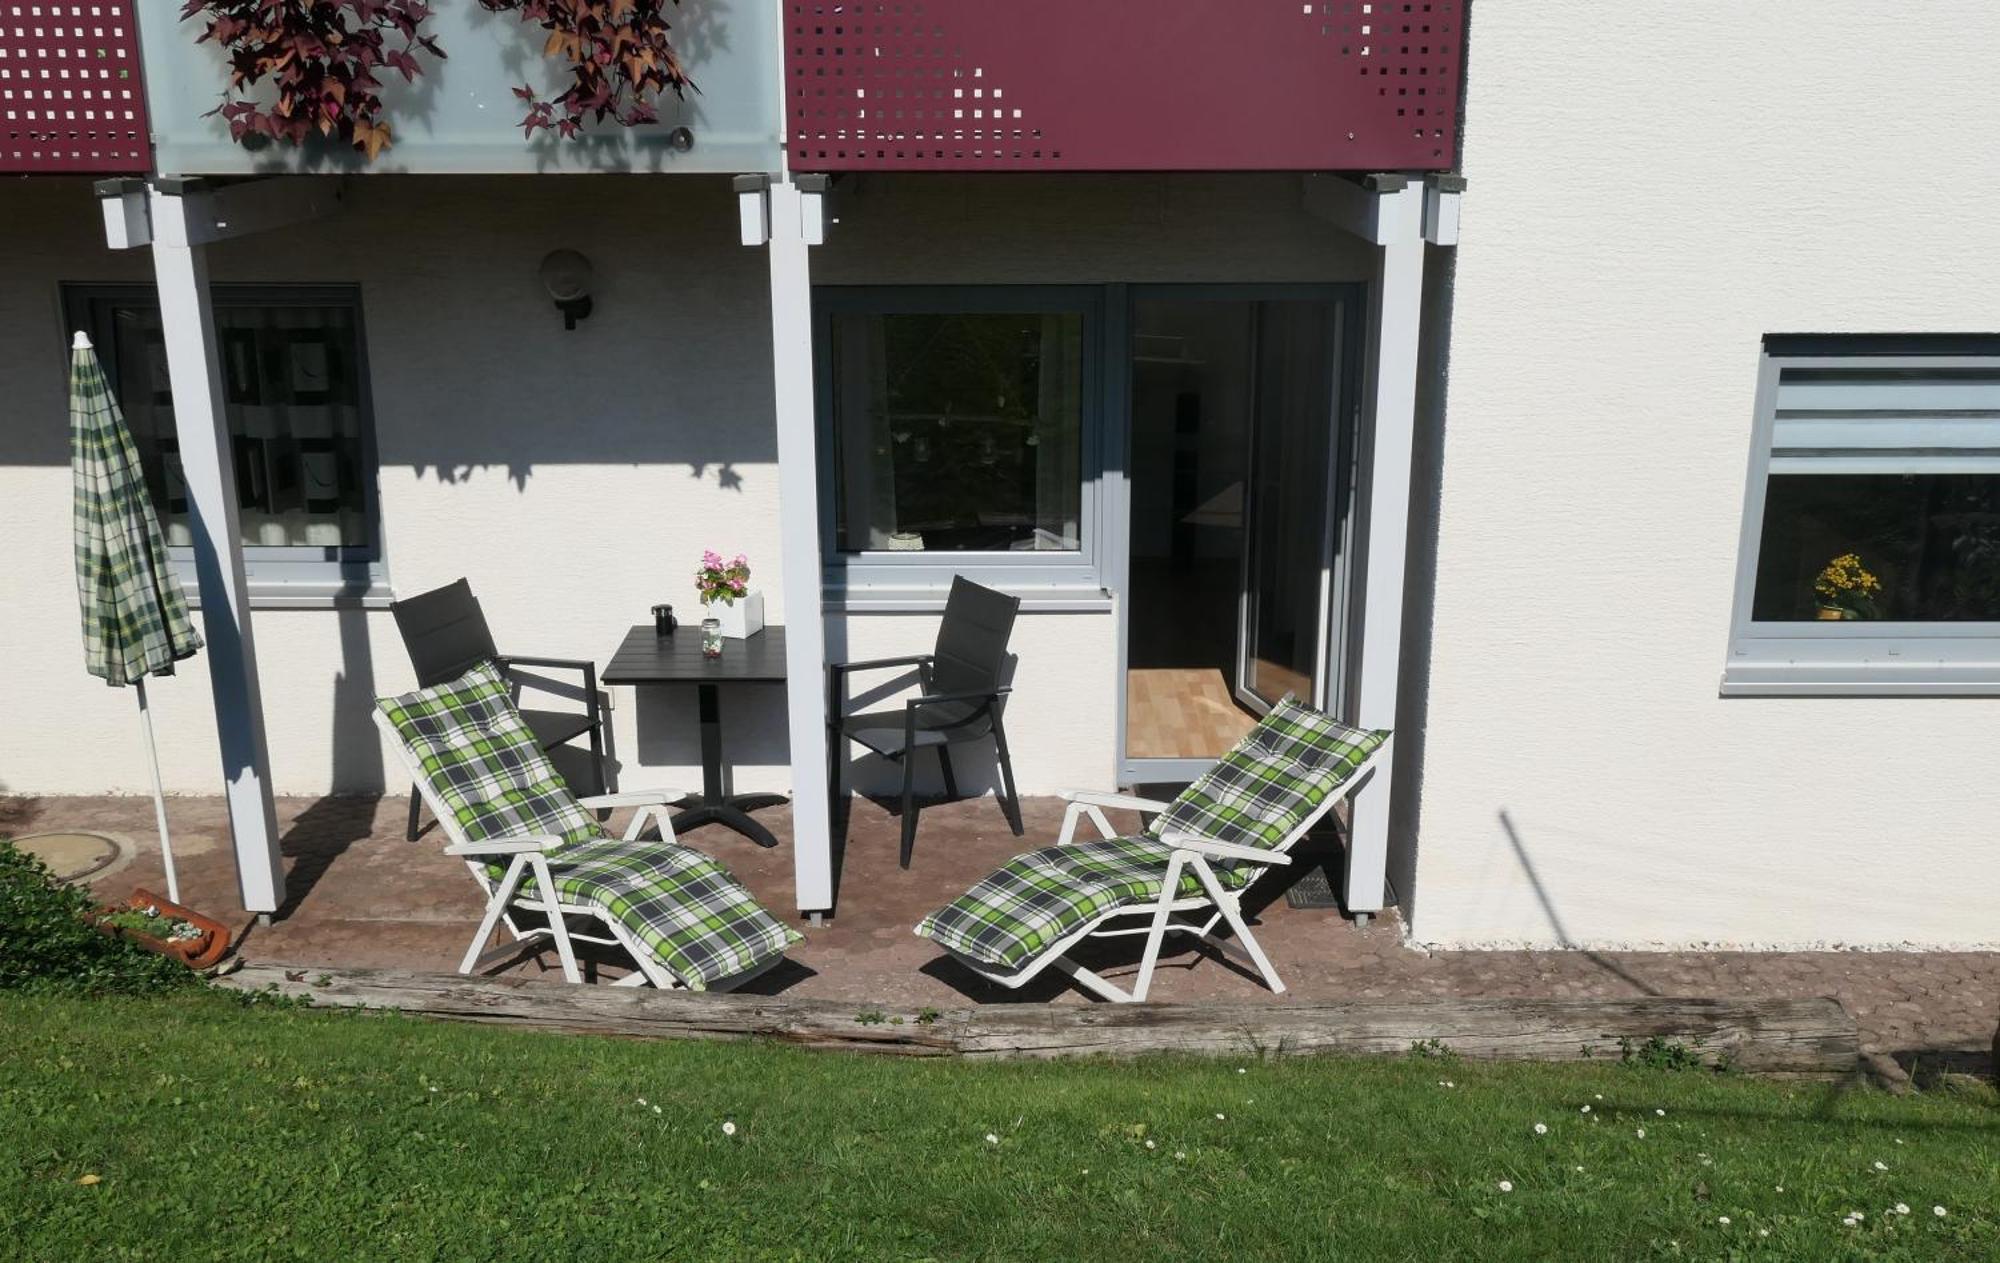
1844 588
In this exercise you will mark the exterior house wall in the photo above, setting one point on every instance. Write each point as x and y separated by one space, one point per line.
573 477
1646 200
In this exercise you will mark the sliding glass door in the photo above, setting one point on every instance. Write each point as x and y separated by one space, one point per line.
1235 434
1287 545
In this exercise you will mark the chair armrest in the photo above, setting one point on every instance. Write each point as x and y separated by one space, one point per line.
506 846
1223 850
632 798
571 664
881 664
1100 798
978 695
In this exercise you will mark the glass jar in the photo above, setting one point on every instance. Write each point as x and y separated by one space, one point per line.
711 638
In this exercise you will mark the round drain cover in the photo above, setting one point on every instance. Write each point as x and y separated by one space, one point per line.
70 856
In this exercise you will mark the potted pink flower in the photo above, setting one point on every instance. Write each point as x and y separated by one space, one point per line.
730 610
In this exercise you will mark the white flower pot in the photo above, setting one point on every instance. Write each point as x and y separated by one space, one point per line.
741 620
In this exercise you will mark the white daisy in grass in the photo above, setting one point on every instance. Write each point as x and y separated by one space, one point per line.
1661 1113
1506 1186
1599 1095
1881 1166
1780 1188
1241 1070
1857 1214
992 1139
1584 1110
1641 1133
1723 1220
728 1128
1850 1221
1938 1211
1149 1144
1763 1232
642 1100
1901 1208
1180 1155
656 1109
1541 1129
1579 1170
1221 1118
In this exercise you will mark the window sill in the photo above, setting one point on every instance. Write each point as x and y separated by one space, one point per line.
311 596
1861 679
930 600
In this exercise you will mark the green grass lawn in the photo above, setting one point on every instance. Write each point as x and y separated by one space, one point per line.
213 1130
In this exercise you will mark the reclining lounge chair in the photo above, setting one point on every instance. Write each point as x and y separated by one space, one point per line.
1204 848
550 870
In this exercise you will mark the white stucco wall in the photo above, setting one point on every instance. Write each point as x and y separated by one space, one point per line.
1649 195
574 477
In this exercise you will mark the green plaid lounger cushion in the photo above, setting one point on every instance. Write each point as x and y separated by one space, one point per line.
1276 777
683 906
482 760
1256 795
1036 899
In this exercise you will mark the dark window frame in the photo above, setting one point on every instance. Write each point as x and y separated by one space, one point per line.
306 571
1081 568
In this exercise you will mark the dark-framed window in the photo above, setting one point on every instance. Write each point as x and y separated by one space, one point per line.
296 395
961 427
1870 560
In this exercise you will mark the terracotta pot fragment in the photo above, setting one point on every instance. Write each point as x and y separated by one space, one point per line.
210 946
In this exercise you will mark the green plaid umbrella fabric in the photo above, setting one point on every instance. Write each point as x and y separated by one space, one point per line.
135 617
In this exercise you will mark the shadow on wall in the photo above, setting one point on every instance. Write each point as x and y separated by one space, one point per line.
1420 578
1554 916
323 832
357 743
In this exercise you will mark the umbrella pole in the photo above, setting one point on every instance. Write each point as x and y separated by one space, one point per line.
159 794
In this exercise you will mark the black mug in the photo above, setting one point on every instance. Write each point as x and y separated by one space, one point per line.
663 620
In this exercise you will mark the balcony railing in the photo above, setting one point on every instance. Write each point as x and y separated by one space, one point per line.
71 101
85 85
1089 85
74 72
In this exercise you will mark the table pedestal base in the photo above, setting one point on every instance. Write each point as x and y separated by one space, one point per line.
731 812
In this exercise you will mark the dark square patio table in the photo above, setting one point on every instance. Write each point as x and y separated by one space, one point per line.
645 657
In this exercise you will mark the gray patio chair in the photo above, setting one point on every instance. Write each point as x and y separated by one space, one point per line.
446 635
961 700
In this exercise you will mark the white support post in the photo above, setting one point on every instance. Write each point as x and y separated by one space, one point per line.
180 217
794 218
1389 429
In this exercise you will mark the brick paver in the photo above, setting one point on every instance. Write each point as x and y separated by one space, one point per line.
360 895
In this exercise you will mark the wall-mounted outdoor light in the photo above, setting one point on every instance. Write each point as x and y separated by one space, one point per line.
566 275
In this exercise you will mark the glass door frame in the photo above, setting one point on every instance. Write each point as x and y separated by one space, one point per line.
1330 674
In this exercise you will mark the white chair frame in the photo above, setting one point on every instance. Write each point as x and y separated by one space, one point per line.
531 858
1225 907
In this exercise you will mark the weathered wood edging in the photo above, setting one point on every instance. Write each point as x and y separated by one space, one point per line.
1789 1037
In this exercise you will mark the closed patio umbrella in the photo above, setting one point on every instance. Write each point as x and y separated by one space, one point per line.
135 617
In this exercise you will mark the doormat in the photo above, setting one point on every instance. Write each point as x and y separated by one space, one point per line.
1313 890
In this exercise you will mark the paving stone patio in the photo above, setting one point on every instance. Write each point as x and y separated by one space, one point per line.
359 895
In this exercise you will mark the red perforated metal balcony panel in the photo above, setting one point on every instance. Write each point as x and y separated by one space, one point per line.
71 100
1121 85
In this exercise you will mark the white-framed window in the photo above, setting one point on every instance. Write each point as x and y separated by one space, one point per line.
295 392
961 427
1870 560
